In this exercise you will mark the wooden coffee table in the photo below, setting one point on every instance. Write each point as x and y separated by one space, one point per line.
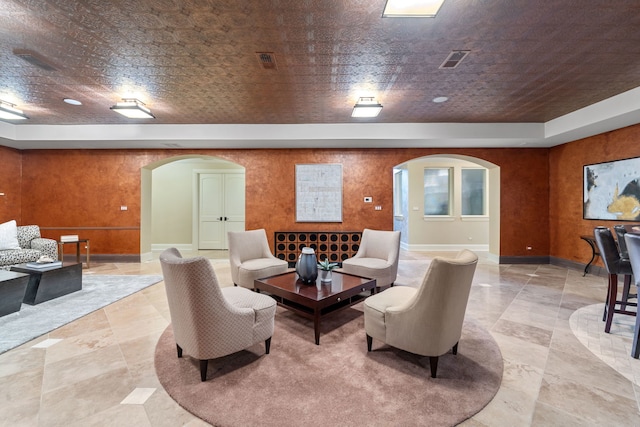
316 301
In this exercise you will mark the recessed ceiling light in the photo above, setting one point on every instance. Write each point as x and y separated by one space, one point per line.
440 99
72 101
411 8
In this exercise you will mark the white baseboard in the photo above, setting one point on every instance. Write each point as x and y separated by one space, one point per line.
493 257
182 247
444 248
146 257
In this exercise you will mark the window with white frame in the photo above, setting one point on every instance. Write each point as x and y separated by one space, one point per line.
437 191
474 191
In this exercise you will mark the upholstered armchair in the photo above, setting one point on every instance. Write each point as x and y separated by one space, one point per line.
428 320
209 321
377 257
251 257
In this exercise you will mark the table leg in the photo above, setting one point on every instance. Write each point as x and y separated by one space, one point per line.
78 252
88 254
316 325
594 254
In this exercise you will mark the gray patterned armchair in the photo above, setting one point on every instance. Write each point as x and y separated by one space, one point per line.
209 321
32 247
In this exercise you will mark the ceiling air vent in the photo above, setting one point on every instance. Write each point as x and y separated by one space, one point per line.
35 58
267 60
454 58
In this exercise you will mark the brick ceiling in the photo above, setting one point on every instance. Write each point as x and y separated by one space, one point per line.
195 61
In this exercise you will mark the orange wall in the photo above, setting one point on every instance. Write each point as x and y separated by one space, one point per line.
10 181
85 188
566 169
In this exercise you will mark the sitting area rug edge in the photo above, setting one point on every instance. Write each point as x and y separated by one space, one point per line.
97 291
335 383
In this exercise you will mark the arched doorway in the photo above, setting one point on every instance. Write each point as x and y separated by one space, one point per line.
451 229
170 199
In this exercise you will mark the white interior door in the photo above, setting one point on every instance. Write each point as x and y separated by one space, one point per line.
221 208
211 212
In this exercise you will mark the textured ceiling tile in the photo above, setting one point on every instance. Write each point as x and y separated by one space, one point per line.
530 60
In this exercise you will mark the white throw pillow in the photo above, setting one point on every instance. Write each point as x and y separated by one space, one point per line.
9 236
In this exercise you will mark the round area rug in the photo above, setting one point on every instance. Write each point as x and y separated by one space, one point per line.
335 383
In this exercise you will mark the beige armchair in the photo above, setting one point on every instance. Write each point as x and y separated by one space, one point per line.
377 257
209 321
251 257
428 320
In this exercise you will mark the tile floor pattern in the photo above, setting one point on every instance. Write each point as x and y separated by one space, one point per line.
100 372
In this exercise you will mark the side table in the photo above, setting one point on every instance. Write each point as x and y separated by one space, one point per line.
594 251
77 243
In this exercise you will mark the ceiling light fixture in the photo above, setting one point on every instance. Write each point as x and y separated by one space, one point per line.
411 8
440 99
133 109
367 106
9 112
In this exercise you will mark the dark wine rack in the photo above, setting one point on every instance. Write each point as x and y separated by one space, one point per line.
334 245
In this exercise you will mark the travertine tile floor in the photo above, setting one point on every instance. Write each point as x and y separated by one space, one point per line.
98 370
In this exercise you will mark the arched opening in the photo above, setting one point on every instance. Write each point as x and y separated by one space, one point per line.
467 208
171 199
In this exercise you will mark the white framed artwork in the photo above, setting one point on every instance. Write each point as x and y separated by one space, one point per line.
319 193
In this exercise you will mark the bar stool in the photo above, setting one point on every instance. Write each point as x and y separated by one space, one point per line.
633 243
615 266
621 230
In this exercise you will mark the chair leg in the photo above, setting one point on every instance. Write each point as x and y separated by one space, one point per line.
625 291
179 350
369 342
611 303
433 362
635 348
203 370
454 350
267 345
606 304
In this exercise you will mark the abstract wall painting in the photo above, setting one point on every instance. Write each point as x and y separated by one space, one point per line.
611 190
